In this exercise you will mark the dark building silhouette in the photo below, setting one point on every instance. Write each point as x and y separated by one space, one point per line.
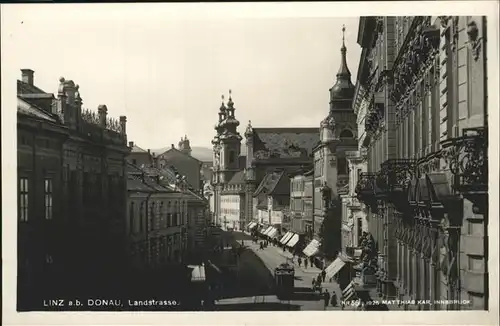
71 195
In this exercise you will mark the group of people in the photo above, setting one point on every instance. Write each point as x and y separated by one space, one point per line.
330 299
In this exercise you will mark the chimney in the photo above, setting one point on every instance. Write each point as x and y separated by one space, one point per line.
173 146
27 76
130 144
149 151
102 111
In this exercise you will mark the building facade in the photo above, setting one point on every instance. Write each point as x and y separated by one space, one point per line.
338 135
301 203
425 81
72 194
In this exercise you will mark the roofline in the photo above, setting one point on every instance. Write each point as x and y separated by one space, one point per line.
190 156
285 129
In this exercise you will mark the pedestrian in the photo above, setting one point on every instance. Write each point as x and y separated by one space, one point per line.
283 248
312 261
333 300
305 263
318 283
299 261
323 274
314 284
326 298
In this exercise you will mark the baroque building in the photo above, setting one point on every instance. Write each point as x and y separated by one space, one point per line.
338 135
228 174
424 85
72 195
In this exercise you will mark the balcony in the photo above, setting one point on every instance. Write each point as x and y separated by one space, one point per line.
365 189
394 179
467 158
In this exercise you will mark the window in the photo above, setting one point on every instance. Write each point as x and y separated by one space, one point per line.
169 215
151 217
342 165
141 217
134 161
162 216
23 199
131 217
346 133
48 199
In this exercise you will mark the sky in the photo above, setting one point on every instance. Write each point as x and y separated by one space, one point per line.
167 73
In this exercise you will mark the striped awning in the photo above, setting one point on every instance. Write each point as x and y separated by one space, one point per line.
252 225
286 237
266 229
334 268
273 233
293 241
349 292
312 248
198 273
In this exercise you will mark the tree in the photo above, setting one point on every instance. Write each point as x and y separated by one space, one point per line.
330 232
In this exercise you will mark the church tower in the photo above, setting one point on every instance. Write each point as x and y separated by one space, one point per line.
337 136
230 143
338 130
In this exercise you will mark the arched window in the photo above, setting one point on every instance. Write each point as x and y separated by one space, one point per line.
342 165
346 133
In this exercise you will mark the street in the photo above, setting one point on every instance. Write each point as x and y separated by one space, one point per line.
256 282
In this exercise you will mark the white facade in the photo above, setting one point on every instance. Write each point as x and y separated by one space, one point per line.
230 211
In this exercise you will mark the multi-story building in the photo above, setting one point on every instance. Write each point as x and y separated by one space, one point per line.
425 80
182 160
271 198
301 202
338 135
139 156
190 207
72 193
272 149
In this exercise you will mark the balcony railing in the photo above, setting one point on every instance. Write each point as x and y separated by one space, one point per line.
395 176
467 158
365 188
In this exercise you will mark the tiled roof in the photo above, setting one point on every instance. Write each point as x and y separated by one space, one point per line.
134 183
30 109
175 149
25 88
137 149
281 186
284 142
238 178
269 183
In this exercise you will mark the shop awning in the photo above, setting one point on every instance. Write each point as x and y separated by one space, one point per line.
286 237
198 273
293 240
265 230
252 226
334 268
312 248
273 233
249 224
